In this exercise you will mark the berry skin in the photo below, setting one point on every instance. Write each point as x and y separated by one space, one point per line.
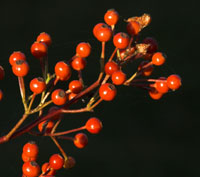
59 97
83 49
30 149
121 40
158 59
154 94
57 116
46 167
161 85
111 67
39 49
146 71
62 70
1 95
95 29
93 125
16 56
78 63
118 78
2 73
107 91
70 163
45 125
75 86
71 96
20 68
31 169
80 140
45 38
25 158
103 33
111 17
174 82
133 28
37 85
56 161
153 44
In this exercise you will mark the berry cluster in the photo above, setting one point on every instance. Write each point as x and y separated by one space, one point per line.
127 48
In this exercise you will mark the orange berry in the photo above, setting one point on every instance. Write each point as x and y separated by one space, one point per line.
111 17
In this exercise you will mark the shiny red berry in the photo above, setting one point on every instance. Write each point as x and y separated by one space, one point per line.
37 85
93 125
107 91
118 78
133 28
71 96
111 17
83 49
59 97
39 49
46 167
95 29
26 158
2 73
20 68
103 33
16 56
121 40
158 59
153 45
174 81
78 63
31 169
154 94
110 67
62 70
30 149
45 38
56 161
80 140
45 125
161 85
75 86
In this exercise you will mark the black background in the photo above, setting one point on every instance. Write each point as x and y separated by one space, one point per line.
141 137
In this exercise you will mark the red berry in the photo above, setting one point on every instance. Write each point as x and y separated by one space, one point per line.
2 73
1 95
121 40
93 125
59 97
62 70
154 94
30 149
16 56
71 96
133 28
111 17
174 82
145 71
20 68
45 38
31 169
80 140
26 158
45 125
107 91
39 49
118 78
103 33
75 86
56 161
78 63
158 59
95 29
161 85
46 167
83 49
111 67
37 85
153 44
53 109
